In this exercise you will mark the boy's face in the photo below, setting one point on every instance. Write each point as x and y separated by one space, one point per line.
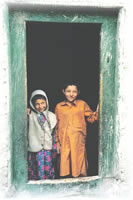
71 93
40 105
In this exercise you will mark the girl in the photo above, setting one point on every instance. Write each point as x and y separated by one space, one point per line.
72 115
41 138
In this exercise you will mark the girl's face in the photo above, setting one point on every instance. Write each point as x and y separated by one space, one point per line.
40 105
71 93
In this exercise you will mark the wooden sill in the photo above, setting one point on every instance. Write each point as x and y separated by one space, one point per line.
66 180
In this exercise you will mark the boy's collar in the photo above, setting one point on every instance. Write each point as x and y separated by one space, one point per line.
67 103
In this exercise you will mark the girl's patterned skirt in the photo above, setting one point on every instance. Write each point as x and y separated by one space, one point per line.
41 164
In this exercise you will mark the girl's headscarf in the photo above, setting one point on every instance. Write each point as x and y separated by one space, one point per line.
45 112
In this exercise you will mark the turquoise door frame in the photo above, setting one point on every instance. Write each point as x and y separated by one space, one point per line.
18 87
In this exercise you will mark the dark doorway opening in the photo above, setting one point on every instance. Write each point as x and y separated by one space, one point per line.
61 52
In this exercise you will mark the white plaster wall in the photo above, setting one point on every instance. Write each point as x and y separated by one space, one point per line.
125 33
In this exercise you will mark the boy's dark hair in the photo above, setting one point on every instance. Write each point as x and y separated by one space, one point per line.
71 83
38 96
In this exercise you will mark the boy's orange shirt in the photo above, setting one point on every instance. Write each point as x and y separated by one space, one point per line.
71 121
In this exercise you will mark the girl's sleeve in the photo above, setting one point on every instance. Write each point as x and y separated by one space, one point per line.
57 135
54 151
90 115
28 121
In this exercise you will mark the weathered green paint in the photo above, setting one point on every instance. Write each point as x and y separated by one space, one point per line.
18 102
18 91
107 115
6 20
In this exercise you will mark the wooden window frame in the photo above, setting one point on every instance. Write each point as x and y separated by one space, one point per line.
18 91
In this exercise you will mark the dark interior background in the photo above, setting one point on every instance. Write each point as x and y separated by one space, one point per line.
61 52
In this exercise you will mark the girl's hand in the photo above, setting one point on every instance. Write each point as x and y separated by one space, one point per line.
58 149
28 111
